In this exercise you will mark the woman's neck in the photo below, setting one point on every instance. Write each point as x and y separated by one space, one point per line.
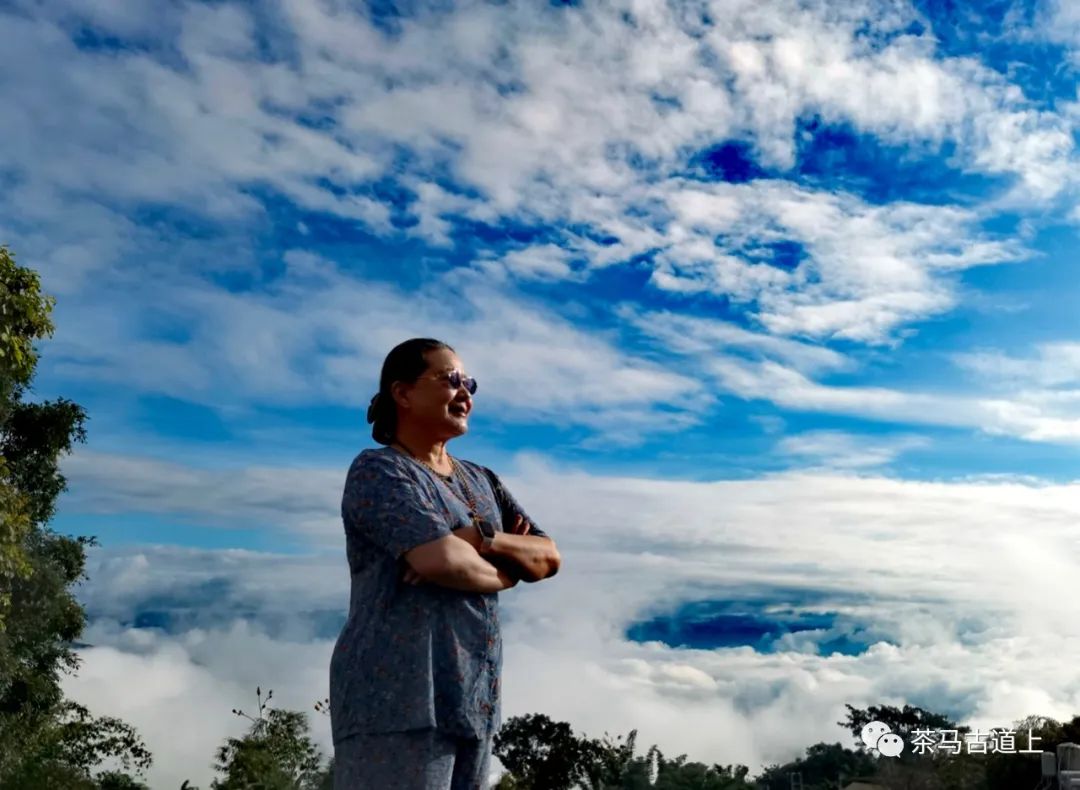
429 451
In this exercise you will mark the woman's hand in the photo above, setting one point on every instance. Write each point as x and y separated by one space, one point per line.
470 535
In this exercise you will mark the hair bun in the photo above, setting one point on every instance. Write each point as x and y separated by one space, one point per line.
373 408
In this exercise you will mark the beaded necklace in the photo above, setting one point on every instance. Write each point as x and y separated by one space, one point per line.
455 474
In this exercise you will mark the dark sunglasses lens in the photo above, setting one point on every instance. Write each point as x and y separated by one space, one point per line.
456 380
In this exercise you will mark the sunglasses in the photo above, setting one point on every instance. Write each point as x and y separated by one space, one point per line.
455 379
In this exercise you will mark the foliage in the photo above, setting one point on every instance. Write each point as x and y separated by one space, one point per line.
825 765
276 754
610 763
540 753
1007 771
61 746
45 740
903 721
24 318
678 774
113 780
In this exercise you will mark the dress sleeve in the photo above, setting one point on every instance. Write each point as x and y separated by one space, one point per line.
509 507
391 510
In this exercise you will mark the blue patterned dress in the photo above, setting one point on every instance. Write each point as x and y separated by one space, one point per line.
419 656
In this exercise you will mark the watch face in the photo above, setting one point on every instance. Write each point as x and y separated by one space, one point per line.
486 528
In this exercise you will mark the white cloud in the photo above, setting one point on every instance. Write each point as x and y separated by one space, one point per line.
701 336
1038 419
536 125
781 372
958 584
178 690
548 262
1060 22
302 501
839 450
577 119
304 340
540 114
868 269
1053 365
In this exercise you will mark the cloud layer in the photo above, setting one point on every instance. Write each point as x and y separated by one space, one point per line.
957 587
202 161
667 236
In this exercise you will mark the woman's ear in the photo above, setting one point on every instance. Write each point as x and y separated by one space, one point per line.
399 390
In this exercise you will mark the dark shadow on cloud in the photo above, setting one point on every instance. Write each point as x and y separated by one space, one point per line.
390 16
318 625
88 39
731 161
785 254
665 104
508 234
217 604
387 15
629 154
839 157
320 116
175 219
592 234
760 624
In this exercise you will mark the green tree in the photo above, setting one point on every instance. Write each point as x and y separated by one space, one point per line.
1005 771
276 753
24 318
45 739
610 764
824 766
903 721
678 774
541 754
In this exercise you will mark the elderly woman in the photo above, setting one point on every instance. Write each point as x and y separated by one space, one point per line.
431 541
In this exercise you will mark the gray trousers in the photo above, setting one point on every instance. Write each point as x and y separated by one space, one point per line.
411 760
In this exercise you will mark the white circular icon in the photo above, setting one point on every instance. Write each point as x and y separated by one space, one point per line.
872 731
890 744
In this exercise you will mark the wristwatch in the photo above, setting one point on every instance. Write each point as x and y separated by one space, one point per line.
487 530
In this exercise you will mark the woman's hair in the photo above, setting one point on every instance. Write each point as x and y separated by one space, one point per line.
405 362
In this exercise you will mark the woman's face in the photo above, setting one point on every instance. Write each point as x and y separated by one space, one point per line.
432 403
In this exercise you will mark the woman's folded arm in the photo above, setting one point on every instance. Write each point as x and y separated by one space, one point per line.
454 563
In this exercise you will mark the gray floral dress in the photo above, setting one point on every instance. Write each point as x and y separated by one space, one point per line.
422 656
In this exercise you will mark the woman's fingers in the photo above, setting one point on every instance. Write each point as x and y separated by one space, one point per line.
521 526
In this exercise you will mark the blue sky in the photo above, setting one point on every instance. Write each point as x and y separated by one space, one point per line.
781 259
